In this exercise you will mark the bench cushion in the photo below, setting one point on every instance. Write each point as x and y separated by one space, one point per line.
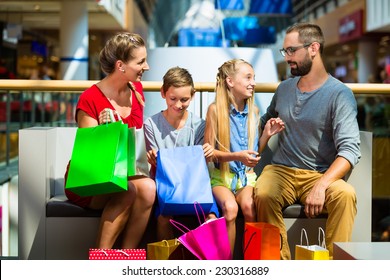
60 206
296 211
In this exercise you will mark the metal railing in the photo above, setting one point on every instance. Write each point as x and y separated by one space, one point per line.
27 103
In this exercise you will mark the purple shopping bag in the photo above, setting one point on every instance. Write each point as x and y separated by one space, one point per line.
209 241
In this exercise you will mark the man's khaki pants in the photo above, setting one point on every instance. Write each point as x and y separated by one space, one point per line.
280 186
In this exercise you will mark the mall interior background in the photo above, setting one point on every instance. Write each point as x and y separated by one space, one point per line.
39 39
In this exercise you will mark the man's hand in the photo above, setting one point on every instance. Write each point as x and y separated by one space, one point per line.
315 200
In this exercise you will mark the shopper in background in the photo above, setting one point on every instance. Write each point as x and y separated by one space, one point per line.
4 72
385 74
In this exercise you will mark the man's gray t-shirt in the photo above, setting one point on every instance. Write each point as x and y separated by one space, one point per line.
320 125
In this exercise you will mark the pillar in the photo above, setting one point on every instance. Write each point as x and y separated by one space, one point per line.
367 60
74 40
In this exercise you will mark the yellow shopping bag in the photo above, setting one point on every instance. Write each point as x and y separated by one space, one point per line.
312 252
161 250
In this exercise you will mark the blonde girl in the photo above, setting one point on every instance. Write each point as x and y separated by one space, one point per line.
232 128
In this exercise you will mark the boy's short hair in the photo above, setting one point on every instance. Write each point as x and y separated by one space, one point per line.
177 77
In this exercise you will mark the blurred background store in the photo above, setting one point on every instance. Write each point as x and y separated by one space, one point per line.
38 33
61 40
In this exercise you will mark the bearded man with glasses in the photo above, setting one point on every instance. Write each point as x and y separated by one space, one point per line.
318 147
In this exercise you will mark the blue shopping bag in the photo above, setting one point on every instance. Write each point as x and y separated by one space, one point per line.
182 178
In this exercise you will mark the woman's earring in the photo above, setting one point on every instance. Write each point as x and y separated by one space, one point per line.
122 70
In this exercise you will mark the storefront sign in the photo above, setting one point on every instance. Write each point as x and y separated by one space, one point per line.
351 26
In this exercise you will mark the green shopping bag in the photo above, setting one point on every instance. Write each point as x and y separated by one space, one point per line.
99 162
131 153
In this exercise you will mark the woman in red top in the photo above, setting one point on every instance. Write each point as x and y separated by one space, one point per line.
123 59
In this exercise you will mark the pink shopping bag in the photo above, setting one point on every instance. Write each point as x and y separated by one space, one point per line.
209 241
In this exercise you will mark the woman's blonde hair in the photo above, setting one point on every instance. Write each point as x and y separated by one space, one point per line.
121 47
223 100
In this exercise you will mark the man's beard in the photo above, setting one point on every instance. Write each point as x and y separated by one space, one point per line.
301 69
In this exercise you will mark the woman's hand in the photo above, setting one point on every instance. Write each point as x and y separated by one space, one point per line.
152 157
208 152
106 116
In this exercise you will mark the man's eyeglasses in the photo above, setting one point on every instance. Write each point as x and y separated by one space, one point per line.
291 50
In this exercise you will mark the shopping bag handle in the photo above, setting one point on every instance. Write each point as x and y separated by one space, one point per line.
179 226
182 227
112 117
253 234
166 243
249 241
303 232
196 205
321 244
320 232
177 137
